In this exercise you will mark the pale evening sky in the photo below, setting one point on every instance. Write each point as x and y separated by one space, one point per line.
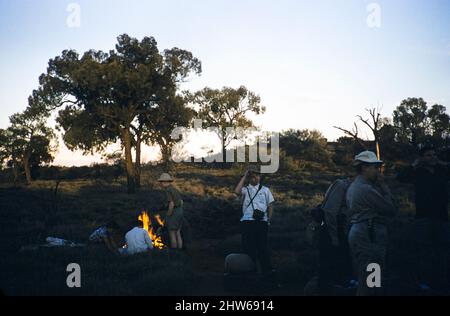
315 64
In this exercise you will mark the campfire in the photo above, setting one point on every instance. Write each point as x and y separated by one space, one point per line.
152 229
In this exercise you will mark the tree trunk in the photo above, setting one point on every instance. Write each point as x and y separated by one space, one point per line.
165 153
15 172
224 149
26 166
377 145
138 158
131 180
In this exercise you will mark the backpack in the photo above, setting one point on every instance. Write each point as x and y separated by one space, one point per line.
332 213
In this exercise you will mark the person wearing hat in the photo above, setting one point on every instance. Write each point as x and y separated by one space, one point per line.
174 217
257 213
370 205
430 177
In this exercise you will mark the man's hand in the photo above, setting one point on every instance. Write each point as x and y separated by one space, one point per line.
382 184
417 162
240 185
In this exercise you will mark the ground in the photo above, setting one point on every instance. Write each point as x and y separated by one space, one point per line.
31 213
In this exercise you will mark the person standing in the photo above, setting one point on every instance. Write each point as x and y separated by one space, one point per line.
430 177
370 205
257 212
175 214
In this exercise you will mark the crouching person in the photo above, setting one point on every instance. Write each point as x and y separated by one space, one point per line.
257 213
371 204
137 241
104 234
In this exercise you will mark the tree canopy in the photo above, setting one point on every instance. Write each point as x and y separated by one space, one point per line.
225 108
107 97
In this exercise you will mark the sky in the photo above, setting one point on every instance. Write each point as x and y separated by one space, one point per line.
315 64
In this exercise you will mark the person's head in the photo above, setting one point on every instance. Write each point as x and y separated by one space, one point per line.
139 223
370 171
112 226
254 176
367 165
428 155
165 180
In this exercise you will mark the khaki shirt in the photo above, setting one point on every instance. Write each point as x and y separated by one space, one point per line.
174 196
365 201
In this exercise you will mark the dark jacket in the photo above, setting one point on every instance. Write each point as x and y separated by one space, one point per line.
431 194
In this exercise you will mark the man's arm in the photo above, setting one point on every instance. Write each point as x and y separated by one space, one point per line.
382 202
148 241
241 183
171 207
269 201
270 212
408 174
446 166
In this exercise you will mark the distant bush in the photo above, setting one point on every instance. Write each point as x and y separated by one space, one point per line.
309 145
104 172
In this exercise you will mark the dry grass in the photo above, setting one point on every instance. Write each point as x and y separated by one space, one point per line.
29 214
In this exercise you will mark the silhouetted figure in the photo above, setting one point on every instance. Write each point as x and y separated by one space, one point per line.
335 266
175 215
431 228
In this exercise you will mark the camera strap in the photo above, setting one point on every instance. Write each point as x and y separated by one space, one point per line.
252 198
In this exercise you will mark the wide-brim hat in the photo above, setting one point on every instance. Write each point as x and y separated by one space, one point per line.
367 157
165 177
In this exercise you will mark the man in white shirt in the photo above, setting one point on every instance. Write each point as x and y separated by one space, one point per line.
257 213
138 240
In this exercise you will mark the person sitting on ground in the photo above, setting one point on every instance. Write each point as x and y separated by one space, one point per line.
137 240
104 234
174 217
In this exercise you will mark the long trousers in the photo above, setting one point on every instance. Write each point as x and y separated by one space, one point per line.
255 244
432 247
335 265
368 245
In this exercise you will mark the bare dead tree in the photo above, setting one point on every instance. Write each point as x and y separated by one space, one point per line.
353 133
374 123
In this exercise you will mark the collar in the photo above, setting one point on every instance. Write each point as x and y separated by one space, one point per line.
254 187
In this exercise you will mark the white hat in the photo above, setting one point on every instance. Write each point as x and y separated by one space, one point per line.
367 157
165 177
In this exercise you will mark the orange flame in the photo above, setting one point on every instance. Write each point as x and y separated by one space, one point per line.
147 225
